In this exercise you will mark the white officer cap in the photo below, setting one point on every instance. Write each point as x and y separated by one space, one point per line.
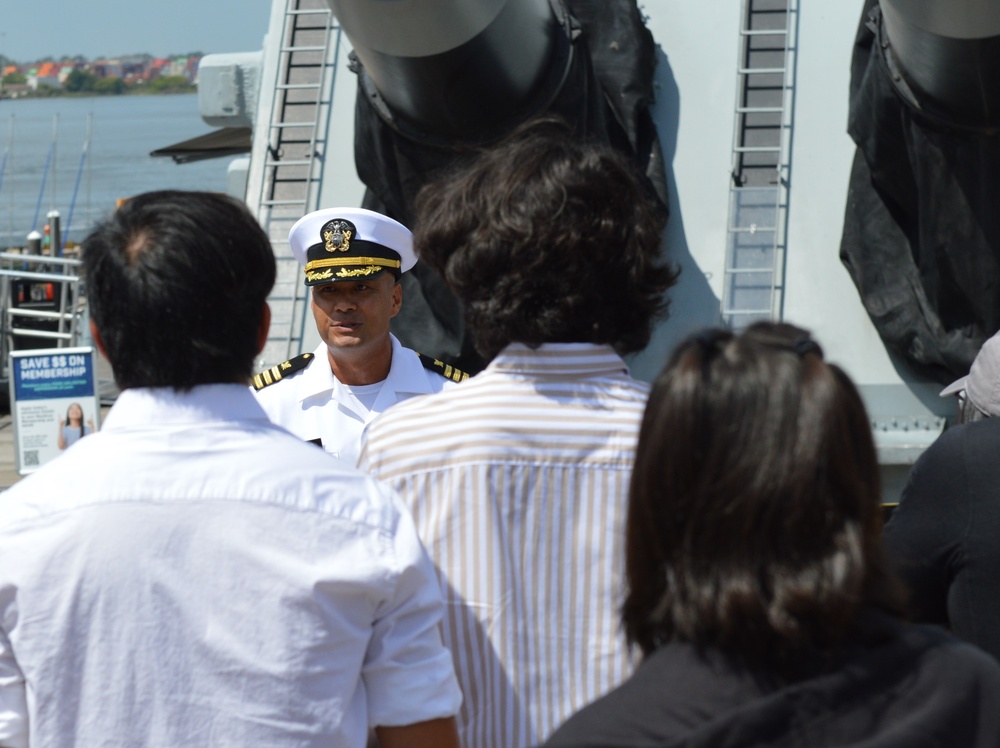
344 244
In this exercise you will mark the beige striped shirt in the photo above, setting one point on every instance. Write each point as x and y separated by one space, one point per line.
517 480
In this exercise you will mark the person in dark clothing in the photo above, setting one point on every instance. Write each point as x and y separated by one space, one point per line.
942 537
757 589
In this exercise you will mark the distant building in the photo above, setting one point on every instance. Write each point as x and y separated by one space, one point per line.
105 68
132 69
47 74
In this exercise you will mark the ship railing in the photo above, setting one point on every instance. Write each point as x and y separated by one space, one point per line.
42 304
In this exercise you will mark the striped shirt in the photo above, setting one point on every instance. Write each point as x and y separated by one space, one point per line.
518 482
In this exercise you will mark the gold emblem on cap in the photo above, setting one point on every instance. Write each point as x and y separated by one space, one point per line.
337 236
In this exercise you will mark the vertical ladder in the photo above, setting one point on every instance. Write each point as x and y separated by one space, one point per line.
758 197
293 159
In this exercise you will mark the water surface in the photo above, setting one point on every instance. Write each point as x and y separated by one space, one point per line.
124 130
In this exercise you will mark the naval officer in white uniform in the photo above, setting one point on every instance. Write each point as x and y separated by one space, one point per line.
353 259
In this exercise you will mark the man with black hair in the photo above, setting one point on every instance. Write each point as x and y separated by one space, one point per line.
518 478
193 575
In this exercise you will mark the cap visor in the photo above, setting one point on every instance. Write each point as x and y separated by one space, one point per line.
956 386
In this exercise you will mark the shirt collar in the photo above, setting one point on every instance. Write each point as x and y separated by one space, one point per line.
406 373
559 359
152 406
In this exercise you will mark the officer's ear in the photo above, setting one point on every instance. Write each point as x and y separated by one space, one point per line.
397 298
265 327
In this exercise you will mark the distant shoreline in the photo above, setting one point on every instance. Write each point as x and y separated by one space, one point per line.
7 95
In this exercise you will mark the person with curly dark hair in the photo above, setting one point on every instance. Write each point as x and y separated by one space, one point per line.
757 588
518 477
548 239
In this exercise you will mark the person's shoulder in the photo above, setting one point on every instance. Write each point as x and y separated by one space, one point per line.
51 489
281 372
959 453
941 658
440 371
965 435
638 389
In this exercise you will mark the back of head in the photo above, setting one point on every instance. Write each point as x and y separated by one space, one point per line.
754 514
176 285
548 237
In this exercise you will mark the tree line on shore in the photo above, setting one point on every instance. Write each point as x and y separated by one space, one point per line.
81 82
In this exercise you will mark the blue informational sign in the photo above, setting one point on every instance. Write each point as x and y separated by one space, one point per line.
54 402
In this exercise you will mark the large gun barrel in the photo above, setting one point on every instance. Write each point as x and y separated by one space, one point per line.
438 77
921 231
453 67
948 55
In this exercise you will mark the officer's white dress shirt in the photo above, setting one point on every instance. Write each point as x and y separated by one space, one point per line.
194 575
313 404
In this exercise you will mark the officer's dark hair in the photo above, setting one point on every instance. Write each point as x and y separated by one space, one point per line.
754 506
548 237
176 283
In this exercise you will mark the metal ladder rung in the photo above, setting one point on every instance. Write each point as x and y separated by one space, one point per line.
757 188
272 203
760 110
763 32
758 149
309 12
760 71
303 49
758 230
281 125
296 86
746 312
749 271
297 162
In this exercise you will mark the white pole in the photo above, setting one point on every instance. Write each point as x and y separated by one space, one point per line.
10 186
55 142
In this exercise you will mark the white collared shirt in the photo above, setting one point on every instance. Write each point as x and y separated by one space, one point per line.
314 405
194 575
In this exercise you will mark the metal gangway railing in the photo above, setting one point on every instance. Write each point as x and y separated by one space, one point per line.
42 305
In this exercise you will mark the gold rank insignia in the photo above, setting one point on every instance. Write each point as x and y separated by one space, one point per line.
446 370
280 371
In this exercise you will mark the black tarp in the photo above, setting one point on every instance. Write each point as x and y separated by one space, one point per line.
605 91
921 233
227 141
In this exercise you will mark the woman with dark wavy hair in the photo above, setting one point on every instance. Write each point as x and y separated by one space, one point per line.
757 588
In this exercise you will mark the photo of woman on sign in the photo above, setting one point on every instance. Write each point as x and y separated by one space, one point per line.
73 428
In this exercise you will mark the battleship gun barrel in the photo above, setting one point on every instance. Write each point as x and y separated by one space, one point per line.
438 79
453 67
948 54
921 237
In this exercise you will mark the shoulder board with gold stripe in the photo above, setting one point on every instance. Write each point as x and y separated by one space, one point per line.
446 370
282 370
